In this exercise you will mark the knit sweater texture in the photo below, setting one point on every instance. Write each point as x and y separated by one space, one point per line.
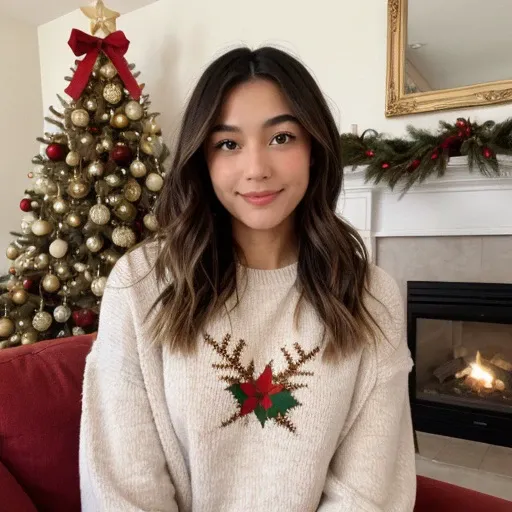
256 419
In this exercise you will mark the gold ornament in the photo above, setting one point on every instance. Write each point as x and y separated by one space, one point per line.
154 182
98 286
110 256
114 199
107 144
62 270
132 191
108 71
112 93
42 321
86 139
78 188
78 331
120 121
96 169
150 222
99 214
94 243
51 283
73 158
12 252
114 180
151 127
61 314
45 185
60 206
6 327
102 18
58 248
73 220
42 261
20 296
138 169
125 211
41 227
28 337
134 110
91 104
123 236
80 117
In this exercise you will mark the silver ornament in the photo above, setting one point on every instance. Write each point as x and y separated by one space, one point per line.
88 276
80 117
98 286
123 236
94 243
107 144
99 214
134 110
86 139
42 261
41 227
73 220
62 270
105 117
78 331
96 169
35 205
73 158
58 248
138 169
15 339
132 191
110 256
150 222
79 267
112 93
62 314
114 180
154 182
42 321
44 185
60 206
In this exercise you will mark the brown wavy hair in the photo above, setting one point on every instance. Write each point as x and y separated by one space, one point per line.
197 246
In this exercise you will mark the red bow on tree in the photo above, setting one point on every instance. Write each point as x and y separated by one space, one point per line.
114 46
259 392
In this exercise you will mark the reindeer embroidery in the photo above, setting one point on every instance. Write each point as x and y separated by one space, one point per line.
269 396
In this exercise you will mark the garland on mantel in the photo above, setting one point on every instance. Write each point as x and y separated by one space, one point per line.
411 160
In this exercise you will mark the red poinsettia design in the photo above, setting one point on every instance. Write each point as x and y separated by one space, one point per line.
259 392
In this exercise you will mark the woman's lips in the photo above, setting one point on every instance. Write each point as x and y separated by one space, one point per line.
261 198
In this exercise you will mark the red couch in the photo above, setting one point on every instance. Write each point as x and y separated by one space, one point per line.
40 389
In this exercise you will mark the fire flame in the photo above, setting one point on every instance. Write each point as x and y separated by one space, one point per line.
478 372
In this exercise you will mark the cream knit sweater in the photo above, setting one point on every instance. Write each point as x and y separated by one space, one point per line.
255 420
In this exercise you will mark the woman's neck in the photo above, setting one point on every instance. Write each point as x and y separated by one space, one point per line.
266 249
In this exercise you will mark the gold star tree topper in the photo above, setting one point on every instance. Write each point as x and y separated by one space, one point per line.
102 18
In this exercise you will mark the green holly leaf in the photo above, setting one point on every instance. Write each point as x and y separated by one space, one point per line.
281 403
261 414
237 392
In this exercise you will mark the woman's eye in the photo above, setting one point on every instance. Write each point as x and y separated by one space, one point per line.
282 138
227 145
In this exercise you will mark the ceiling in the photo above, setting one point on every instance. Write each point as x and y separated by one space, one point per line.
38 12
465 41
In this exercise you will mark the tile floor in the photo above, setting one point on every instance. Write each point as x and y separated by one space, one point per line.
485 468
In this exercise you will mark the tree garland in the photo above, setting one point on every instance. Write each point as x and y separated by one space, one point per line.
407 161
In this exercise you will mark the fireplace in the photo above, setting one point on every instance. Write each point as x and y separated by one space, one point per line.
460 337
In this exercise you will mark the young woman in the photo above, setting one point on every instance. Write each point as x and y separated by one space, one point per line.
250 358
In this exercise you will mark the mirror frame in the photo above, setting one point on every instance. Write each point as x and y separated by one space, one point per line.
398 103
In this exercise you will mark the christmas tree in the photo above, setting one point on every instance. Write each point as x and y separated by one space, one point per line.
94 189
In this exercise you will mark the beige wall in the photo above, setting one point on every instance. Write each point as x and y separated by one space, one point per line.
22 120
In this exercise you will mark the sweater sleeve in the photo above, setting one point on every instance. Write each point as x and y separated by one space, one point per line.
373 469
122 464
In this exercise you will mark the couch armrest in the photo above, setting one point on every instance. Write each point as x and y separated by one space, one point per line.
13 495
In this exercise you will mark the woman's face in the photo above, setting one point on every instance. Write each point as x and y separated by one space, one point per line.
258 157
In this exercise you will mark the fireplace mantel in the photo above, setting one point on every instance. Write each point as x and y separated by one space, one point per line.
459 203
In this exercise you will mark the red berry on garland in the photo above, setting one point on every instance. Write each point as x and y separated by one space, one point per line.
468 131
56 152
84 317
121 154
461 123
95 130
414 164
435 155
487 153
25 205
385 165
369 153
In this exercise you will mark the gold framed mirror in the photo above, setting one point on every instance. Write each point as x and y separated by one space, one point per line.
438 61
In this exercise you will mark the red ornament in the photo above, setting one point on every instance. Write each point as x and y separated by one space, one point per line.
25 205
369 153
95 130
56 152
84 317
487 153
27 284
259 392
385 165
122 155
461 123
12 271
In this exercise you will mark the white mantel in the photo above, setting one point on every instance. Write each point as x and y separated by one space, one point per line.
459 203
